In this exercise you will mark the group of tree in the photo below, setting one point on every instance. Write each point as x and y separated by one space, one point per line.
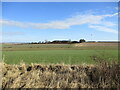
58 42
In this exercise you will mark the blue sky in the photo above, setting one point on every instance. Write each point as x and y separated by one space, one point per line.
39 21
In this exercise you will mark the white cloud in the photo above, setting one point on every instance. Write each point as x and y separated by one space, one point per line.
66 23
109 24
110 15
103 28
12 23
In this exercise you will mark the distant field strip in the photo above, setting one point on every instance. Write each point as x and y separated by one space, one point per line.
96 44
82 46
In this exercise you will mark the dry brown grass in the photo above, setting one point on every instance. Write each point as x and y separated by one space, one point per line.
61 76
97 44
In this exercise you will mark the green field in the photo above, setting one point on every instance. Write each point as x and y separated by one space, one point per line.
57 54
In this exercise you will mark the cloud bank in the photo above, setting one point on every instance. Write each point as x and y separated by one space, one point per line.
103 28
93 21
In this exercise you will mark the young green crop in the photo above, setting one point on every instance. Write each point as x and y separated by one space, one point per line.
58 56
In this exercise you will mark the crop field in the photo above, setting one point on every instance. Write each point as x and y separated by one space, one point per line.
59 53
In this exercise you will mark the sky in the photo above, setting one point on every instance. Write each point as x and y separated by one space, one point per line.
40 21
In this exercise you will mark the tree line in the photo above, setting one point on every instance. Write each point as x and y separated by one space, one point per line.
58 42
